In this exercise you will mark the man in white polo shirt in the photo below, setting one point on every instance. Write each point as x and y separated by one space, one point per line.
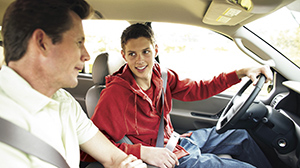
44 50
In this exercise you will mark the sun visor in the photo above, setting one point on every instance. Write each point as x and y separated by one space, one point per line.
233 12
222 12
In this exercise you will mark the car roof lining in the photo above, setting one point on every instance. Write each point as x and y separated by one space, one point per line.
201 13
192 12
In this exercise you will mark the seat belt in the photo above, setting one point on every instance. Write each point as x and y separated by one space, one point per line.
23 140
160 134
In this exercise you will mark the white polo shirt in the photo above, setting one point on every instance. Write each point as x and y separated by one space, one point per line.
59 121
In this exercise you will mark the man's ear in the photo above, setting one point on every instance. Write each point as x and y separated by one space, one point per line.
41 40
123 55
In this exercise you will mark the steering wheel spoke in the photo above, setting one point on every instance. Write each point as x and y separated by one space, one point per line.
237 106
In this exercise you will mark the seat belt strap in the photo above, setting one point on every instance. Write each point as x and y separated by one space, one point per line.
160 134
23 140
125 139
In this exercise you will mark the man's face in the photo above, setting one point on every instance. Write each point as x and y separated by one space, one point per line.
139 54
69 55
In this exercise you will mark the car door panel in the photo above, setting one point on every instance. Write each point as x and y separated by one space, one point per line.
197 114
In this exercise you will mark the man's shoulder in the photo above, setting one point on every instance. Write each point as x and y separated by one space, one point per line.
63 92
62 95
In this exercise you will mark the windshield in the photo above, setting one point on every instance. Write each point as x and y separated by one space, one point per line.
282 30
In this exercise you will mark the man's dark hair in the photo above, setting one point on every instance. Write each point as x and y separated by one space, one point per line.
23 17
135 31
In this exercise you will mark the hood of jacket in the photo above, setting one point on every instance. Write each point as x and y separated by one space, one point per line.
125 78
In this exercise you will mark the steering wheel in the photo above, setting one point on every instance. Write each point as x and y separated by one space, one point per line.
237 106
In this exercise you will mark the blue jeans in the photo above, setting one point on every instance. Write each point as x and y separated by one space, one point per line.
205 144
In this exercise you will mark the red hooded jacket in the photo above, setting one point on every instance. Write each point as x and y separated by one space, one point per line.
125 109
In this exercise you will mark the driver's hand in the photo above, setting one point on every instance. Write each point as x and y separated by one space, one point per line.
160 157
253 72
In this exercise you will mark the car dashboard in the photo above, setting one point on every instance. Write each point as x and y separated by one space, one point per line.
287 104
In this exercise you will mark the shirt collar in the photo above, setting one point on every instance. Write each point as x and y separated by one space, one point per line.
19 90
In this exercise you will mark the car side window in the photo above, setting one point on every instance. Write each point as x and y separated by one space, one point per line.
282 30
198 53
191 51
102 36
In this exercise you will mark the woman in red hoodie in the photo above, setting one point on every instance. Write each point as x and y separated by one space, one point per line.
130 105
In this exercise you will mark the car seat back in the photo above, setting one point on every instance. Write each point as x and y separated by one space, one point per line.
100 70
104 65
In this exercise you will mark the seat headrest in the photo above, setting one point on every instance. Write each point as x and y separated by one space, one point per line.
100 69
115 61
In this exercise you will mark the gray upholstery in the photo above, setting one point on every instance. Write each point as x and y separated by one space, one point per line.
95 165
100 70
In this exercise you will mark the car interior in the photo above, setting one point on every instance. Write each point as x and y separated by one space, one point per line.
272 119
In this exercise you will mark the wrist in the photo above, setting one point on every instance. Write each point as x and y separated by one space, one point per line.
144 151
240 73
